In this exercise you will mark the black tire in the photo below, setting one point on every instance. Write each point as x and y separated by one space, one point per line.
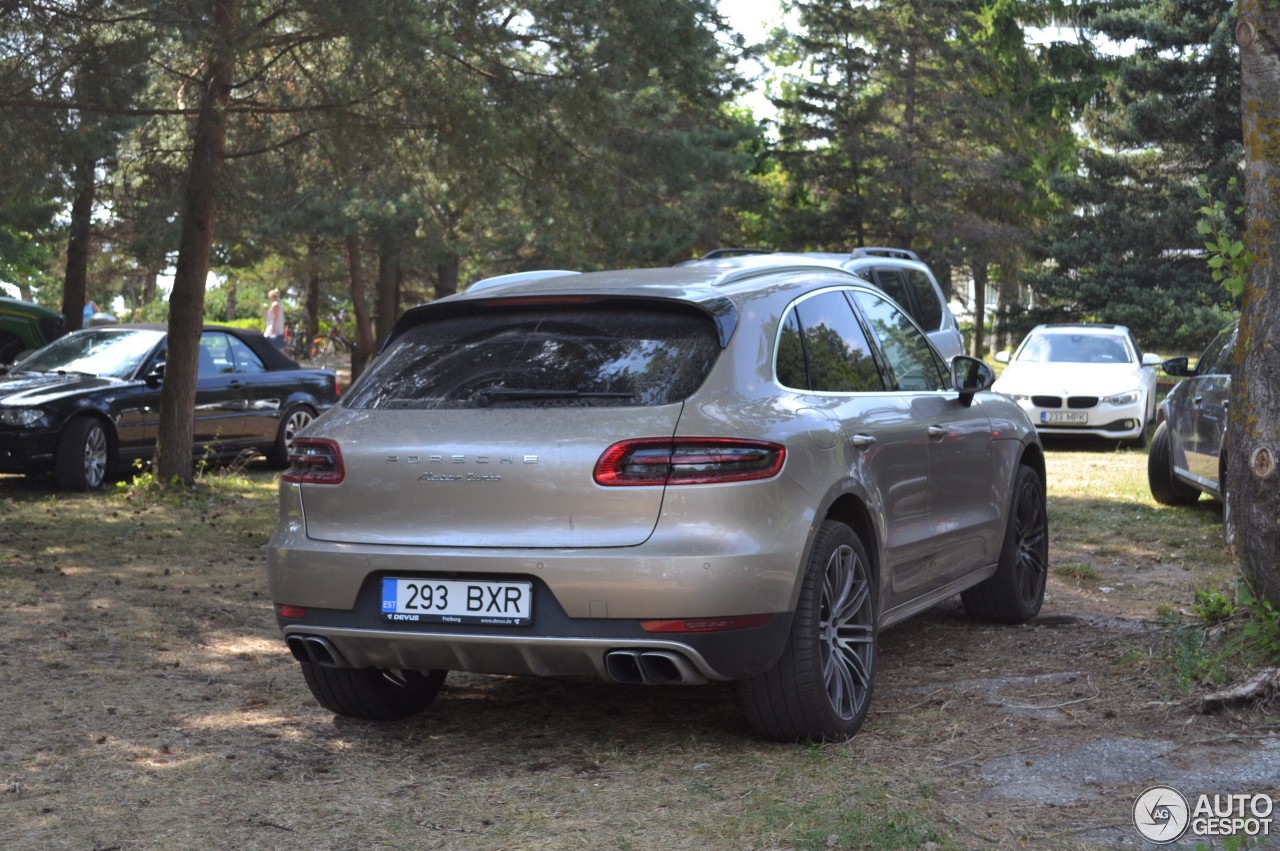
83 456
373 694
1166 489
1015 592
821 686
294 420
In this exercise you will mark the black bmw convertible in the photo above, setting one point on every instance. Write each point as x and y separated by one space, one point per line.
88 404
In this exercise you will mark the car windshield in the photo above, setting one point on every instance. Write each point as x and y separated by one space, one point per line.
108 352
1074 348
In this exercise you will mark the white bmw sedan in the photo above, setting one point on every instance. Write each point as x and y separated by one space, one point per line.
1083 379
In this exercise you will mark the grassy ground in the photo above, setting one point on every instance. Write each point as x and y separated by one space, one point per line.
149 703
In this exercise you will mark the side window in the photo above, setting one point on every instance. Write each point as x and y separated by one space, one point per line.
215 355
926 308
915 366
836 352
790 367
1216 359
245 358
892 282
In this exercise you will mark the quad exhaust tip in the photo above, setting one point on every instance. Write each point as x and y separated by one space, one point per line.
651 667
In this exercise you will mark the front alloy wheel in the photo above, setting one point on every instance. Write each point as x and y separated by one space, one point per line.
821 687
83 455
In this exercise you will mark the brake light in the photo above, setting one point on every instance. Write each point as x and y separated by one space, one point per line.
706 624
688 461
315 461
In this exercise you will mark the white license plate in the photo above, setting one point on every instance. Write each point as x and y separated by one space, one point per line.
1080 417
457 601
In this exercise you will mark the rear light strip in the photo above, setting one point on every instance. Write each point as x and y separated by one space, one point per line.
315 461
688 461
707 624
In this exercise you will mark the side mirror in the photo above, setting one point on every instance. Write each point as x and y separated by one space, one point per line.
156 376
1002 356
970 376
1151 359
1177 367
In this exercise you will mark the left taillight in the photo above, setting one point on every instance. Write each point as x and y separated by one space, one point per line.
315 461
688 461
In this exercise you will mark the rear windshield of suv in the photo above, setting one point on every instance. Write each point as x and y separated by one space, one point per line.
579 356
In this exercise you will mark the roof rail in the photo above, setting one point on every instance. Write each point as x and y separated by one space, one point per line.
897 253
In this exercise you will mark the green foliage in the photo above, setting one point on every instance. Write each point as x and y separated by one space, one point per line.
1123 246
1211 606
1238 636
1228 259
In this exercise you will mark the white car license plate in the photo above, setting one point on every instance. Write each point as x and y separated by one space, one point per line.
457 601
1080 417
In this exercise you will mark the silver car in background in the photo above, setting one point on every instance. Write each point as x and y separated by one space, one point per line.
654 476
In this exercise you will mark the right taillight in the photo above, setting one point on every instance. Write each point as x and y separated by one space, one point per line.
687 461
315 461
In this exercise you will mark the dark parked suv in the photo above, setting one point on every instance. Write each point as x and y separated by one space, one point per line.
1188 451
654 476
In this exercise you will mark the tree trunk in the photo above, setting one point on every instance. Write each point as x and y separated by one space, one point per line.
977 342
364 342
447 276
1253 439
199 211
75 285
388 298
1009 303
311 298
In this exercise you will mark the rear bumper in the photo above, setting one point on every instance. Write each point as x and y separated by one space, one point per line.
555 644
588 603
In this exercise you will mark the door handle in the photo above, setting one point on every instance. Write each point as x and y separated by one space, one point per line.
937 432
862 441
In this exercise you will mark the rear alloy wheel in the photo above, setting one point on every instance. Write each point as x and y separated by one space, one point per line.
1166 489
294 421
83 455
374 694
821 686
1015 592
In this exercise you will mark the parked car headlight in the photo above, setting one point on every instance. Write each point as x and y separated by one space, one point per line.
20 417
1123 398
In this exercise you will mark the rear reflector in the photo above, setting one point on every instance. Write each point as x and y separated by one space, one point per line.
315 461
294 612
707 624
688 461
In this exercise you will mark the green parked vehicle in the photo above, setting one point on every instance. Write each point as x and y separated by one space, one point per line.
25 326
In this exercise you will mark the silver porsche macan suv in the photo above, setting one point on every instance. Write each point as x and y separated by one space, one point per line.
654 476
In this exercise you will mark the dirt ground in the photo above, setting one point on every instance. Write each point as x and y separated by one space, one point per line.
148 703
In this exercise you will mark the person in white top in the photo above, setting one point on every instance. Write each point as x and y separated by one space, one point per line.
274 330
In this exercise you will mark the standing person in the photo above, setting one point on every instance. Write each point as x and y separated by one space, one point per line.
274 330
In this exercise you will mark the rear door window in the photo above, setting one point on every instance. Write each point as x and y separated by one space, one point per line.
542 357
